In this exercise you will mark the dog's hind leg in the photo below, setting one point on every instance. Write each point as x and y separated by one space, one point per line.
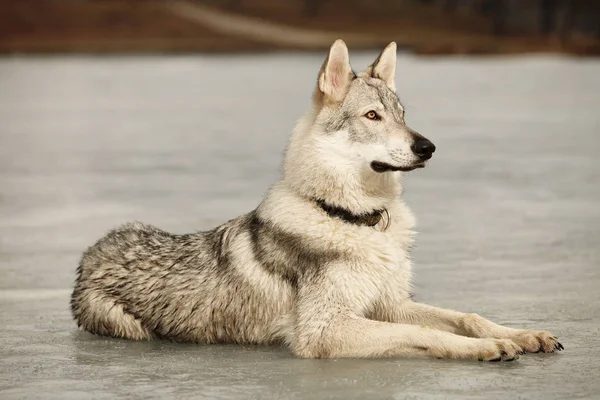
104 316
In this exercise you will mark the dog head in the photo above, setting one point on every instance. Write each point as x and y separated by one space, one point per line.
362 116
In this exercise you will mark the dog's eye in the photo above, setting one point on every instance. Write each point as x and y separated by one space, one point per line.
373 115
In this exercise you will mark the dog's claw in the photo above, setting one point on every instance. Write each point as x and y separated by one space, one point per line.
559 346
495 359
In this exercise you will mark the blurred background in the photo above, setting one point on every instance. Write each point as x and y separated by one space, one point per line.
423 26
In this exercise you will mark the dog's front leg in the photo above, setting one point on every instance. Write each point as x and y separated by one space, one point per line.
471 325
350 336
329 324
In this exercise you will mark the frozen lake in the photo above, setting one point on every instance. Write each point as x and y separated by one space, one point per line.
508 210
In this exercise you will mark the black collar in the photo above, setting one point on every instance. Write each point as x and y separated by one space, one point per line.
367 219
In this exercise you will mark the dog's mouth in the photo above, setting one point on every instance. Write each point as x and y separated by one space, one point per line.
381 167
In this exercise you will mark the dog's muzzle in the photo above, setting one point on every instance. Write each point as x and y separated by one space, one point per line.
423 148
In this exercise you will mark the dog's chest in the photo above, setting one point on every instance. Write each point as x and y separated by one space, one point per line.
385 258
380 265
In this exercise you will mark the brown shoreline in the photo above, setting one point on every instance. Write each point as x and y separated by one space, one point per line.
126 27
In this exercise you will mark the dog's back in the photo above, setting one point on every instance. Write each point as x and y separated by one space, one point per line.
139 282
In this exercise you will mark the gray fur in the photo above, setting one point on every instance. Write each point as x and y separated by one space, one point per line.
184 288
363 92
179 287
284 254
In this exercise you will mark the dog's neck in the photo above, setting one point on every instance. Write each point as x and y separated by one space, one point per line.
316 175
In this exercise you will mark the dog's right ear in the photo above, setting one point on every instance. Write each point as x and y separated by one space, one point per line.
336 74
384 67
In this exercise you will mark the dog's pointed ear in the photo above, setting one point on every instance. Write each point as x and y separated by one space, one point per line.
384 67
336 73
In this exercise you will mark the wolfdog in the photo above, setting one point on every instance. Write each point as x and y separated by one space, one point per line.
321 265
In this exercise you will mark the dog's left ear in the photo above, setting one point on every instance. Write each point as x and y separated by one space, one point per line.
384 67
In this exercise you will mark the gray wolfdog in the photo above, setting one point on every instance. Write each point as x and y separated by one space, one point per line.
321 265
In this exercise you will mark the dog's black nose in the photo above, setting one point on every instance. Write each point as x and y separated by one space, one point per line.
423 148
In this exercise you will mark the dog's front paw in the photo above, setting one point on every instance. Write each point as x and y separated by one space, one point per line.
485 349
536 341
499 350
